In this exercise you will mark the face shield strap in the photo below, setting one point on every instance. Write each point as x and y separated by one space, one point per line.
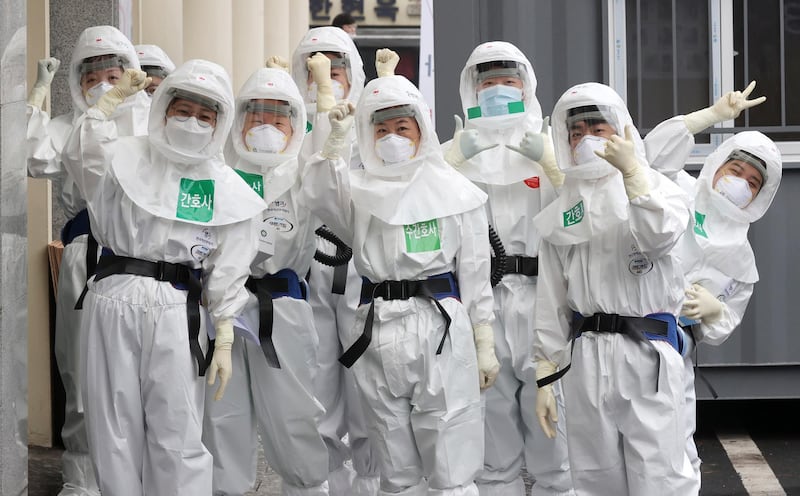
206 102
591 114
155 71
393 112
493 73
284 109
98 65
751 159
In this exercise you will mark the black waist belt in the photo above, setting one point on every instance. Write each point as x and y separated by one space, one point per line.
283 283
637 328
434 288
177 274
519 264
339 283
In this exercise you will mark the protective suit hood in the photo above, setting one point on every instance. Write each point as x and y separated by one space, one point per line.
496 51
499 165
328 39
279 169
593 197
107 40
721 227
422 188
153 55
206 79
162 180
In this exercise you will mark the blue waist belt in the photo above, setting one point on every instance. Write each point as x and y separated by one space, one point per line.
75 227
281 284
652 327
434 287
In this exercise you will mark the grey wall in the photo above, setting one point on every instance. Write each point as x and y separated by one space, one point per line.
13 249
562 38
68 19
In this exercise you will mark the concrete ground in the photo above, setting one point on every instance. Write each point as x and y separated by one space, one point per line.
44 474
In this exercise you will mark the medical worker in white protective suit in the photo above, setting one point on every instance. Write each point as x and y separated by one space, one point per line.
420 240
334 291
100 56
609 279
498 94
156 63
735 188
177 227
274 352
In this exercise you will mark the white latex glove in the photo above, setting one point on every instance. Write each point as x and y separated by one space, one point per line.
620 153
319 65
488 366
539 148
386 61
221 360
465 144
341 118
546 410
45 73
726 108
278 62
701 305
132 80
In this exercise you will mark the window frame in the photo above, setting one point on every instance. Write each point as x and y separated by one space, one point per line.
721 71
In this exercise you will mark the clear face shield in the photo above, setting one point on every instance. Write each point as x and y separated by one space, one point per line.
95 87
588 129
340 64
499 87
740 177
397 134
267 126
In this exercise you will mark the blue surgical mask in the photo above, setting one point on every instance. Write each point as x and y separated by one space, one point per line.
494 100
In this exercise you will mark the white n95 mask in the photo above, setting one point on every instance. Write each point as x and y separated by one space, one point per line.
584 152
734 189
338 91
94 93
265 138
393 149
188 135
494 100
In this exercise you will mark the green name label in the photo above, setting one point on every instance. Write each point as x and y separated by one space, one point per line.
698 224
574 215
422 236
196 200
308 126
255 181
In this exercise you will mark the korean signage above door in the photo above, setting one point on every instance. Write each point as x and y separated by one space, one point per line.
367 12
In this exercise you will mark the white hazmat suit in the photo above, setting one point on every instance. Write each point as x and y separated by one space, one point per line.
277 403
518 189
45 140
418 375
165 209
607 261
334 291
715 252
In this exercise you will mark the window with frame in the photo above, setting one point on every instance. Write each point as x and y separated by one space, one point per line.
671 57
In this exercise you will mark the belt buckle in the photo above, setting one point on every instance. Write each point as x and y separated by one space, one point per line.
160 265
517 264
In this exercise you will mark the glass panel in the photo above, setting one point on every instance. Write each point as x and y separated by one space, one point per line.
657 62
654 69
693 57
792 68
